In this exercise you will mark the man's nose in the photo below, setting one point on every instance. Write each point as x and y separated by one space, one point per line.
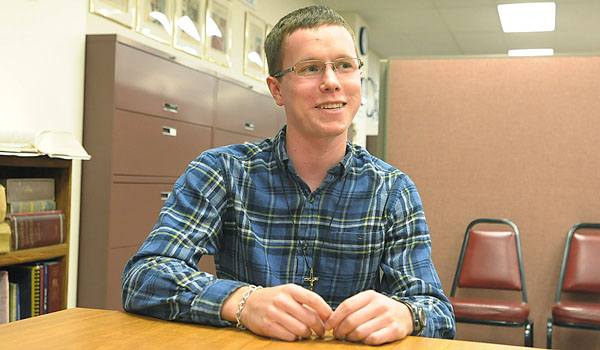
330 79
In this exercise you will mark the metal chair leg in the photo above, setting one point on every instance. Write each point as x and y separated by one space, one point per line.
549 333
529 334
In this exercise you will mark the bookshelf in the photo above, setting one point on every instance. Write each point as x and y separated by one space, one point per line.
60 170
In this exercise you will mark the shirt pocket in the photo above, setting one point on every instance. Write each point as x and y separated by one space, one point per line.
349 261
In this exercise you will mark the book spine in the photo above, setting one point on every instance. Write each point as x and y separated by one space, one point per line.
35 291
53 283
2 202
44 308
31 230
5 237
4 298
31 206
19 309
27 189
13 291
42 288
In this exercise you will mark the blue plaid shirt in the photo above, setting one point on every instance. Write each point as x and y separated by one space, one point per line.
363 228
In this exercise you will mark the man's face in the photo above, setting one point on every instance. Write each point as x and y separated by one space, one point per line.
321 106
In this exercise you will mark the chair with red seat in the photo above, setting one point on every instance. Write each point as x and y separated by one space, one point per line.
580 273
491 259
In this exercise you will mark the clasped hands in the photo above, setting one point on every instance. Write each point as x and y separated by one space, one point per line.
289 312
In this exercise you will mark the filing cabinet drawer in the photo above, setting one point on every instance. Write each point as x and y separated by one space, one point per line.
152 146
117 258
224 138
244 111
153 85
134 210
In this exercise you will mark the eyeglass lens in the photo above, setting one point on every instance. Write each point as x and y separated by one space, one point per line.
311 68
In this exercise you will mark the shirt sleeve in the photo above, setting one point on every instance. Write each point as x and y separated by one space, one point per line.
408 273
163 280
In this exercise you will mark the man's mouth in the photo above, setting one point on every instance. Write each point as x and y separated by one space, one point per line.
331 105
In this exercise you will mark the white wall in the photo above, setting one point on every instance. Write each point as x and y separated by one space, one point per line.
363 125
42 75
41 80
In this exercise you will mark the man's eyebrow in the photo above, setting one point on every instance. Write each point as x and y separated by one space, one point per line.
345 55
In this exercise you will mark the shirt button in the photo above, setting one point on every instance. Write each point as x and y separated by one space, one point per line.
305 246
311 199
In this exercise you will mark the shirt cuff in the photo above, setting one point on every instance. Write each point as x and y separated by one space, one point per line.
206 307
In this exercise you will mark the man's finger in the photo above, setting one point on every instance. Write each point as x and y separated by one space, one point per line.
311 300
347 307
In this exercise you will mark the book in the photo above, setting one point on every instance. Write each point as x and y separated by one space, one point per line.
28 279
44 297
28 189
13 302
5 237
53 143
32 230
2 202
53 281
40 294
4 297
30 206
39 291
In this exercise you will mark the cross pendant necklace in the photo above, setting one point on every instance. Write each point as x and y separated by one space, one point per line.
311 279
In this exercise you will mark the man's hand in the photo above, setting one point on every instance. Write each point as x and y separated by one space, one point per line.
286 312
371 318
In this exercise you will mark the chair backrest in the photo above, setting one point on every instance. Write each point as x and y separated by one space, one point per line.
580 271
491 259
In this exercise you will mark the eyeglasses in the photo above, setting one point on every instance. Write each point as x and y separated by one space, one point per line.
315 68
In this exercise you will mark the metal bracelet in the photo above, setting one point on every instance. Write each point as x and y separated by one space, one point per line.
242 304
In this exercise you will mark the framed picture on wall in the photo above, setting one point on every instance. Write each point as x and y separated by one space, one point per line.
189 26
218 32
120 11
254 54
155 19
268 29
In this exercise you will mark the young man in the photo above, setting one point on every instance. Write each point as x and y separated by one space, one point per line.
300 225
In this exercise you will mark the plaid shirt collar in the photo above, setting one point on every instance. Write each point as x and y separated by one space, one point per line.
282 157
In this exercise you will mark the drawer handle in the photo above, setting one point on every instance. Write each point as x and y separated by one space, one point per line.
249 126
165 195
169 131
170 107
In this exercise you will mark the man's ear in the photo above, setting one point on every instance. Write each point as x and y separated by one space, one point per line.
275 89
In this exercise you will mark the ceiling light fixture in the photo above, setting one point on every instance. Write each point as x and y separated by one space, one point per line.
527 17
531 52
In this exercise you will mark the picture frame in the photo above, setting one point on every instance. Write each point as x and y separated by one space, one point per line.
254 53
268 29
119 11
188 26
155 19
218 40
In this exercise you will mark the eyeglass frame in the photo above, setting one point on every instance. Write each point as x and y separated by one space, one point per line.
293 68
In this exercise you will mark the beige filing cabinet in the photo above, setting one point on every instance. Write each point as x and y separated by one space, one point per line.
146 117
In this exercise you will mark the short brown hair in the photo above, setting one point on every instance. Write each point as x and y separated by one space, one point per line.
304 18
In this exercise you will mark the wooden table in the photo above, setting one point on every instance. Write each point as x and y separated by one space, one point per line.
81 328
